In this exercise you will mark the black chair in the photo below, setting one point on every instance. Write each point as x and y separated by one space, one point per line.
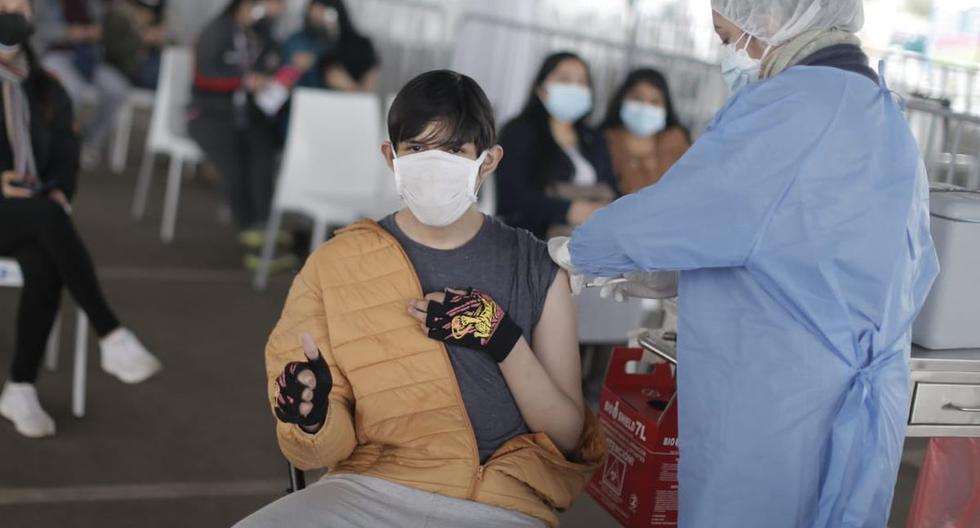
297 479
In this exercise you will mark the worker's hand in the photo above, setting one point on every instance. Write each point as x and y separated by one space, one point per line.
303 61
468 318
640 285
9 187
303 389
581 210
558 249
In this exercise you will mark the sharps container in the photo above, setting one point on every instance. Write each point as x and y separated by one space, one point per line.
951 316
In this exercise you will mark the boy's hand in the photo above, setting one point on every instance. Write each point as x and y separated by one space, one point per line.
469 318
303 389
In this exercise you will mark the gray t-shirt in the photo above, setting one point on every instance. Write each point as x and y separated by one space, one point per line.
514 268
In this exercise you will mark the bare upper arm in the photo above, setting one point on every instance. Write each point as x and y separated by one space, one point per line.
555 339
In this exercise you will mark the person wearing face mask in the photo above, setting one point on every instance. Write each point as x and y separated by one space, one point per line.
236 59
325 24
800 224
70 38
644 134
135 34
557 172
468 402
39 152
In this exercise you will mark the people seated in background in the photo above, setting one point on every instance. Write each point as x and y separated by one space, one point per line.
135 35
468 401
70 38
39 152
644 135
331 52
325 22
236 59
557 171
353 66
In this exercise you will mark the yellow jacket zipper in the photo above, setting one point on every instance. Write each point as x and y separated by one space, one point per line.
478 476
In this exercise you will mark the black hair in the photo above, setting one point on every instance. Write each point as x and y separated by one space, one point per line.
232 7
347 28
551 163
452 100
642 75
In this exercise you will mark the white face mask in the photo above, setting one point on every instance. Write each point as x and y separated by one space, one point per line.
438 187
568 102
737 67
643 119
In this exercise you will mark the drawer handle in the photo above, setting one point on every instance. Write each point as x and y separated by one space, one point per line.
953 407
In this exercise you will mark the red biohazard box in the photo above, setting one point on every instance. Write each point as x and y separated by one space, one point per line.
638 412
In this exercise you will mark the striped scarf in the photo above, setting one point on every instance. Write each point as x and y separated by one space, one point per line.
17 117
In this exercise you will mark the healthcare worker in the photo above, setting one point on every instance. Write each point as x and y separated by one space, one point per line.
800 225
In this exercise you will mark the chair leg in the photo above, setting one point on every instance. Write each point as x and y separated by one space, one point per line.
54 345
120 140
172 199
143 184
297 480
319 234
81 365
268 249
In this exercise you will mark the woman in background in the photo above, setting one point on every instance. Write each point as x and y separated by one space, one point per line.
557 171
39 153
644 135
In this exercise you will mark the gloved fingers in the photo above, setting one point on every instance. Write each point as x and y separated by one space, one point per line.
576 282
456 293
307 395
307 378
437 297
283 415
305 409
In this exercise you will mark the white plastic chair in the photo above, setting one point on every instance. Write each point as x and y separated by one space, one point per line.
168 135
11 277
139 99
332 170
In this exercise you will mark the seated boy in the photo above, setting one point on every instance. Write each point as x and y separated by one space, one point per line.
462 407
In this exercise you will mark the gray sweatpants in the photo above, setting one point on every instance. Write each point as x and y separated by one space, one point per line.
355 501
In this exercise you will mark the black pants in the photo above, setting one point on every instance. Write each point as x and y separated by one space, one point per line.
42 237
246 159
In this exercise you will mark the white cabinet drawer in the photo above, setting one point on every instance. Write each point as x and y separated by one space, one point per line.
945 404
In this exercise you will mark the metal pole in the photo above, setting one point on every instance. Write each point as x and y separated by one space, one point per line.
297 480
632 33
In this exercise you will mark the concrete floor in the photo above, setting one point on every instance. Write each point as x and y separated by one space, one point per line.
195 446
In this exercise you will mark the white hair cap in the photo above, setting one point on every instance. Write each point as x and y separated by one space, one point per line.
776 21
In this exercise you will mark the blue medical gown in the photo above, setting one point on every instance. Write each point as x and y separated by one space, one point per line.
800 223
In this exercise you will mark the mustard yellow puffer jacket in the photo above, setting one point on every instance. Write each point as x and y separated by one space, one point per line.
396 411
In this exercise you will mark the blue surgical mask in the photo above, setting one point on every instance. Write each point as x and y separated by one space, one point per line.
737 67
643 119
568 102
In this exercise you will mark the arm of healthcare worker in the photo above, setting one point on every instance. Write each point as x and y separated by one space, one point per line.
712 208
304 313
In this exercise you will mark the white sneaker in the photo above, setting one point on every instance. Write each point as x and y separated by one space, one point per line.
126 358
19 404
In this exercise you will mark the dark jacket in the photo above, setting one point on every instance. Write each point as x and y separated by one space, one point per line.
220 68
53 136
533 162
